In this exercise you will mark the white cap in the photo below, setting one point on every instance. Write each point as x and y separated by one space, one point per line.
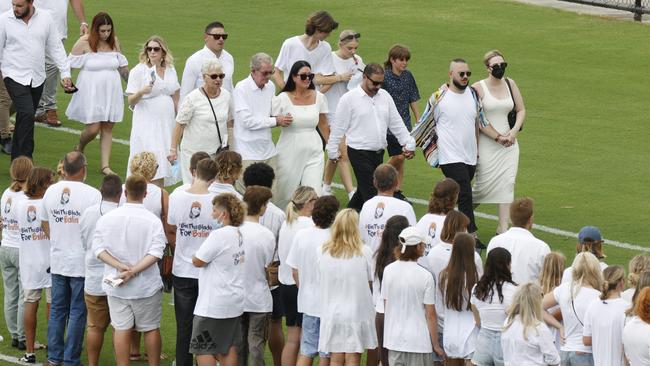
412 236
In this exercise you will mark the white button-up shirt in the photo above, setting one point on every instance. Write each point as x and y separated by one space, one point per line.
253 121
23 47
58 9
192 76
527 253
129 233
365 120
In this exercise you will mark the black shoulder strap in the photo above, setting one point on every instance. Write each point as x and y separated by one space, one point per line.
514 104
216 122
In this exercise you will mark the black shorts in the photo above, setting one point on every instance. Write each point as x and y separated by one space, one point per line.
215 336
277 312
289 296
393 148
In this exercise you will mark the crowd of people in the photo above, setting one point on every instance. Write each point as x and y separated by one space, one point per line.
254 239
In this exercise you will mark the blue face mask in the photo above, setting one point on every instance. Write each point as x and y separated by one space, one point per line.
218 224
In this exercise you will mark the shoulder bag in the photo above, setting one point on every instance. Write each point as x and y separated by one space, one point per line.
512 115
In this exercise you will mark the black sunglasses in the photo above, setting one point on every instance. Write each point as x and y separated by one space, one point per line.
351 37
216 36
153 49
463 73
502 65
304 77
216 76
375 83
266 73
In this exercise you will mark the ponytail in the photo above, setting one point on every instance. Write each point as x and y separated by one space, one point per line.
613 276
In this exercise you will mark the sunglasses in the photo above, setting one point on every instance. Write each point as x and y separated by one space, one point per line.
153 49
351 37
218 36
216 76
502 65
304 77
266 73
376 83
463 73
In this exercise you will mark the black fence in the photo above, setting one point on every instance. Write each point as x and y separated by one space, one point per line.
638 7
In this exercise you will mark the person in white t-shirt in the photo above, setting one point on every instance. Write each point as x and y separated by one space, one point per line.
408 291
194 160
527 251
443 199
303 259
131 278
34 254
549 279
95 297
589 240
643 282
229 168
525 339
63 204
377 210
259 244
636 334
605 319
190 217
574 298
491 298
639 264
216 328
311 47
9 251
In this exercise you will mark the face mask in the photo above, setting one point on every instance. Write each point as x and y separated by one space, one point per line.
498 71
459 85
217 224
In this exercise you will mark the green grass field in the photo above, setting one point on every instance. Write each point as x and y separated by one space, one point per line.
582 146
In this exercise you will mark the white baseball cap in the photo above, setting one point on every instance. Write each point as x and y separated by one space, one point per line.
412 236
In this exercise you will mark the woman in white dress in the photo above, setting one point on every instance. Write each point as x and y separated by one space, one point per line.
347 325
349 72
99 103
153 92
203 119
496 169
300 153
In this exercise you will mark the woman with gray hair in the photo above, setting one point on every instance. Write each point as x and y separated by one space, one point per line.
203 119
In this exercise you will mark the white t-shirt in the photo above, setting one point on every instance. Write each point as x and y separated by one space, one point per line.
493 311
285 241
34 252
63 204
10 228
573 327
374 214
192 215
431 225
527 253
94 266
218 188
293 50
456 127
567 275
272 219
636 341
58 9
221 280
341 66
304 258
259 244
407 288
628 294
152 201
537 350
604 322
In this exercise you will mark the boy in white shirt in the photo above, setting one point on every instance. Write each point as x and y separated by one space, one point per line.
135 292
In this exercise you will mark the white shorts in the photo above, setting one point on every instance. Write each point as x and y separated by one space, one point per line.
142 315
35 295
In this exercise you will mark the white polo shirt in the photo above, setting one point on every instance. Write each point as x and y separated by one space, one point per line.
527 253
294 50
192 76
58 9
253 121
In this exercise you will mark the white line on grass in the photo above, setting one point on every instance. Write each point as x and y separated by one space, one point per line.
419 201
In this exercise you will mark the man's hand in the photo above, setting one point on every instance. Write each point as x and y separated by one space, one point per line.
439 351
284 120
67 83
337 158
126 275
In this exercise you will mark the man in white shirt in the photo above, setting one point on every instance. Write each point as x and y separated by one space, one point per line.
27 34
135 295
98 318
363 116
377 210
63 205
215 38
526 250
58 9
253 121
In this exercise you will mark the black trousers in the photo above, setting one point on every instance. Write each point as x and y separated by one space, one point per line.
364 163
463 175
186 291
25 100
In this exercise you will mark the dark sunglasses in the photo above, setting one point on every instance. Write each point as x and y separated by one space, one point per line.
351 37
153 49
502 65
376 83
463 73
266 73
216 36
304 77
216 76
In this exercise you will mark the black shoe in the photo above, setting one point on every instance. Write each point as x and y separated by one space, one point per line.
5 146
14 343
28 358
21 345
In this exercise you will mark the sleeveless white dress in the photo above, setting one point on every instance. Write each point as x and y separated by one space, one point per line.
496 169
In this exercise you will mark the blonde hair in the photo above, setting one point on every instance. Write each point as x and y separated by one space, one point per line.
643 282
585 271
211 64
145 164
527 305
639 264
301 196
167 59
346 238
19 171
234 206
490 55
552 270
612 277
346 33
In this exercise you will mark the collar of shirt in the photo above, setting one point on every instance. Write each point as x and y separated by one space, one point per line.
520 231
252 86
134 205
208 51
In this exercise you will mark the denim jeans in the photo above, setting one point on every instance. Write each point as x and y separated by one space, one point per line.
13 301
68 306
570 358
488 348
186 291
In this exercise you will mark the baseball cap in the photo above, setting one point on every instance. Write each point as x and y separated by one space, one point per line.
590 233
412 236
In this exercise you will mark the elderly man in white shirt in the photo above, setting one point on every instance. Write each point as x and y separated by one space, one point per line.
130 240
363 116
215 38
27 35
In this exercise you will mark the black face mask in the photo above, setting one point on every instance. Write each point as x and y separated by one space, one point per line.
498 71
459 85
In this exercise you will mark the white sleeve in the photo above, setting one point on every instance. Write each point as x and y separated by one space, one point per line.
44 212
210 248
397 127
171 208
135 79
479 264
292 257
99 245
283 59
158 241
586 328
190 74
430 291
54 48
410 216
244 114
185 112
322 103
339 126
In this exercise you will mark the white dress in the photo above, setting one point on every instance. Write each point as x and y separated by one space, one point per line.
153 117
300 148
496 169
347 322
100 97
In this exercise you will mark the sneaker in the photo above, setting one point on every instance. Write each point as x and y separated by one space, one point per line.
327 190
28 358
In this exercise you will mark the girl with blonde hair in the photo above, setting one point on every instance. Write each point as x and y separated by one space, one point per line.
347 326
643 282
550 277
639 264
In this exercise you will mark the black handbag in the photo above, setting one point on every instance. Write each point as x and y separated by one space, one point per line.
512 115
216 122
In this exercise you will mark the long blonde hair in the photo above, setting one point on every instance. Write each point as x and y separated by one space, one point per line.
527 304
346 238
300 198
552 269
585 272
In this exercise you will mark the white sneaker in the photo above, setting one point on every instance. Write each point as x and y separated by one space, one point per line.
327 190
